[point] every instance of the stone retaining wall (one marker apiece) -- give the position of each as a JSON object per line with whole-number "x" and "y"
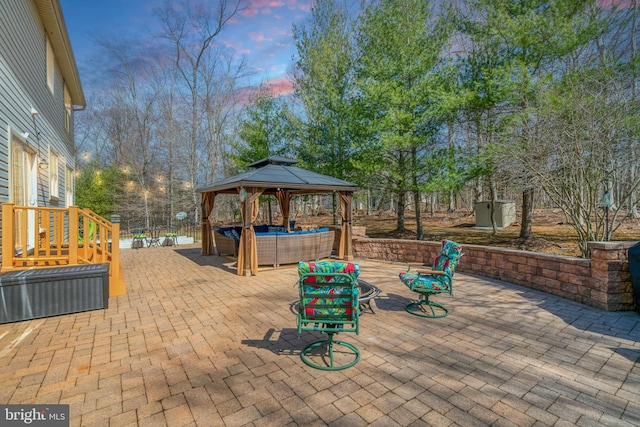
{"x": 603, "y": 281}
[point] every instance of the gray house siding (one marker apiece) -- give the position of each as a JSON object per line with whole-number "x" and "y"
{"x": 23, "y": 74}
{"x": 25, "y": 27}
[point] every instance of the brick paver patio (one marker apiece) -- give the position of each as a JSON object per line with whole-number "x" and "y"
{"x": 193, "y": 344}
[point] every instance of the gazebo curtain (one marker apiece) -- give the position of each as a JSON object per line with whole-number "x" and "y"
{"x": 249, "y": 208}
{"x": 248, "y": 251}
{"x": 345, "y": 250}
{"x": 207, "y": 209}
{"x": 284, "y": 199}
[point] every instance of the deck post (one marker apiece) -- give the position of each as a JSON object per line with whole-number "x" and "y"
{"x": 73, "y": 235}
{"x": 8, "y": 242}
{"x": 116, "y": 282}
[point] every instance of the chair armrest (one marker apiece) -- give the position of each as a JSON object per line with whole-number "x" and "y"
{"x": 423, "y": 269}
{"x": 429, "y": 272}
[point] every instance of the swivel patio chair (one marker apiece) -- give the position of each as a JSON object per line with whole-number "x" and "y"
{"x": 432, "y": 281}
{"x": 329, "y": 304}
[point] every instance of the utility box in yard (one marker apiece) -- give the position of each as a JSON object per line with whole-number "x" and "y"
{"x": 505, "y": 213}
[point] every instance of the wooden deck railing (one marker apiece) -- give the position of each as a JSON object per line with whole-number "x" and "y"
{"x": 38, "y": 237}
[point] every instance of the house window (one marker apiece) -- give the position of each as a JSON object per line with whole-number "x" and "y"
{"x": 51, "y": 64}
{"x": 67, "y": 109}
{"x": 54, "y": 180}
{"x": 68, "y": 186}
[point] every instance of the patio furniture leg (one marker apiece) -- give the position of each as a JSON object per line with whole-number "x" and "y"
{"x": 433, "y": 280}
{"x": 330, "y": 343}
{"x": 418, "y": 308}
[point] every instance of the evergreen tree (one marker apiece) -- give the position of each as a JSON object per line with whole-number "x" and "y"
{"x": 98, "y": 188}
{"x": 323, "y": 81}
{"x": 264, "y": 130}
{"x": 400, "y": 45}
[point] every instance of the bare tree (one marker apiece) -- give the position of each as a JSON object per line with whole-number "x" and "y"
{"x": 221, "y": 74}
{"x": 583, "y": 125}
{"x": 133, "y": 117}
{"x": 169, "y": 131}
{"x": 191, "y": 31}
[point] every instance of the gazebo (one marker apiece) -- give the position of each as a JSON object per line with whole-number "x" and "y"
{"x": 278, "y": 177}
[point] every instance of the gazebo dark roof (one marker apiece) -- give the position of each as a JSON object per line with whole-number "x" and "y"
{"x": 274, "y": 173}
{"x": 276, "y": 176}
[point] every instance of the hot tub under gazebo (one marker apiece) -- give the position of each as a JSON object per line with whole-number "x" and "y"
{"x": 279, "y": 177}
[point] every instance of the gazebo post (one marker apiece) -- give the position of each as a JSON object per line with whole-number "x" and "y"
{"x": 246, "y": 236}
{"x": 345, "y": 250}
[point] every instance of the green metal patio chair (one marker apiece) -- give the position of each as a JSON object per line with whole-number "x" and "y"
{"x": 329, "y": 304}
{"x": 432, "y": 281}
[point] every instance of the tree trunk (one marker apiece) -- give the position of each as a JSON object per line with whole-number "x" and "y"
{"x": 527, "y": 213}
{"x": 633, "y": 197}
{"x": 477, "y": 191}
{"x": 433, "y": 205}
{"x": 451, "y": 143}
{"x": 492, "y": 209}
{"x": 419, "y": 230}
{"x": 193, "y": 147}
{"x": 401, "y": 207}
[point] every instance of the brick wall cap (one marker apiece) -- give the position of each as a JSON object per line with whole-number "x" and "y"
{"x": 610, "y": 246}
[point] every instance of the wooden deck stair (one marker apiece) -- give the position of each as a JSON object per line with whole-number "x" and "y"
{"x": 43, "y": 237}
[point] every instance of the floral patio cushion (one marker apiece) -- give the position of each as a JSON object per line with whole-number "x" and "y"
{"x": 450, "y": 249}
{"x": 353, "y": 270}
{"x": 446, "y": 261}
{"x": 318, "y": 307}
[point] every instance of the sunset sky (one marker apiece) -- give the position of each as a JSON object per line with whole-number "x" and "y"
{"x": 261, "y": 32}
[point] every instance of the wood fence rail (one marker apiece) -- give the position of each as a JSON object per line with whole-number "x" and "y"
{"x": 38, "y": 237}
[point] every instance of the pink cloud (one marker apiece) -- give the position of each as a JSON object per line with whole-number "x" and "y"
{"x": 232, "y": 44}
{"x": 262, "y": 7}
{"x": 249, "y": 12}
{"x": 304, "y": 6}
{"x": 265, "y": 7}
{"x": 259, "y": 37}
{"x": 281, "y": 86}
{"x": 237, "y": 46}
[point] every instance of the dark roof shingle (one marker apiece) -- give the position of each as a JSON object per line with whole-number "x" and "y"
{"x": 275, "y": 173}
